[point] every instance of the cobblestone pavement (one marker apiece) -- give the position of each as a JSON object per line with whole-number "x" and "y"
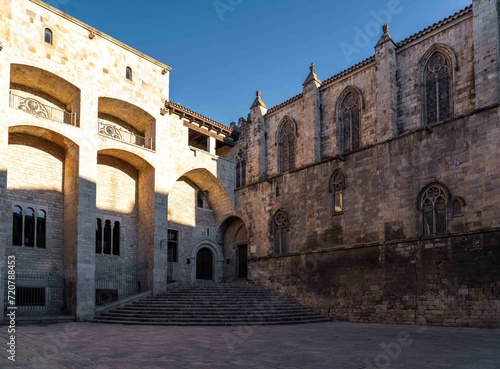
{"x": 322, "y": 345}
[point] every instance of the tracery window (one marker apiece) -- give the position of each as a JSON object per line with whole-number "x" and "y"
{"x": 281, "y": 227}
{"x": 241, "y": 169}
{"x": 437, "y": 89}
{"x": 286, "y": 143}
{"x": 107, "y": 237}
{"x": 48, "y": 36}
{"x": 29, "y": 226}
{"x": 337, "y": 185}
{"x": 433, "y": 203}
{"x": 350, "y": 111}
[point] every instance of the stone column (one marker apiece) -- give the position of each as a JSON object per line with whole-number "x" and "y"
{"x": 486, "y": 52}
{"x": 385, "y": 58}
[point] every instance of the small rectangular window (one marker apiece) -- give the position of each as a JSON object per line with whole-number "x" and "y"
{"x": 172, "y": 246}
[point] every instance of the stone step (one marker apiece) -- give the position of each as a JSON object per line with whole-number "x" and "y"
{"x": 235, "y": 304}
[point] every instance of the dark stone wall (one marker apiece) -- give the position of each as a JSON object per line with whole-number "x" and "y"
{"x": 452, "y": 281}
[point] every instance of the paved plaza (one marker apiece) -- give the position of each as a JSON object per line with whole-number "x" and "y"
{"x": 321, "y": 345}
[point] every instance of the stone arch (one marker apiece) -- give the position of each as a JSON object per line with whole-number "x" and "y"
{"x": 234, "y": 236}
{"x": 218, "y": 259}
{"x": 42, "y": 175}
{"x": 285, "y": 120}
{"x": 140, "y": 239}
{"x": 46, "y": 88}
{"x": 217, "y": 195}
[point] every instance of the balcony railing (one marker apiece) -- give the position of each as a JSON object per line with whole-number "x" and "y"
{"x": 113, "y": 131}
{"x": 115, "y": 282}
{"x": 35, "y": 107}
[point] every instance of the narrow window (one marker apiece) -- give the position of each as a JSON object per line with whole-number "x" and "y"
{"x": 41, "y": 229}
{"x": 433, "y": 205}
{"x": 337, "y": 185}
{"x": 350, "y": 122}
{"x": 107, "y": 237}
{"x": 286, "y": 147}
{"x": 17, "y": 226}
{"x": 47, "y": 36}
{"x": 280, "y": 232}
{"x": 199, "y": 200}
{"x": 457, "y": 205}
{"x": 243, "y": 173}
{"x": 437, "y": 89}
{"x": 128, "y": 73}
{"x": 116, "y": 239}
{"x": 173, "y": 239}
{"x": 98, "y": 236}
{"x": 29, "y": 228}
{"x": 238, "y": 174}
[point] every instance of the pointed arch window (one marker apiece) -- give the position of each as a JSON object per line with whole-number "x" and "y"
{"x": 337, "y": 185}
{"x": 438, "y": 79}
{"x": 29, "y": 226}
{"x": 281, "y": 227}
{"x": 199, "y": 199}
{"x": 286, "y": 146}
{"x": 350, "y": 121}
{"x": 48, "y": 36}
{"x": 433, "y": 203}
{"x": 241, "y": 170}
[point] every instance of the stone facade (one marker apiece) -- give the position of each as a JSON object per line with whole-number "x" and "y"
{"x": 355, "y": 246}
{"x": 89, "y": 136}
{"x": 371, "y": 196}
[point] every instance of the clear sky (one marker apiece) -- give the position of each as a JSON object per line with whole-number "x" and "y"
{"x": 222, "y": 51}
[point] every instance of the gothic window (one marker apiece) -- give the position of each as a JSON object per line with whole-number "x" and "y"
{"x": 29, "y": 226}
{"x": 128, "y": 73}
{"x": 349, "y": 115}
{"x": 17, "y": 226}
{"x": 241, "y": 169}
{"x": 457, "y": 206}
{"x": 116, "y": 238}
{"x": 337, "y": 185}
{"x": 107, "y": 236}
{"x": 433, "y": 203}
{"x": 98, "y": 236}
{"x": 437, "y": 89}
{"x": 41, "y": 228}
{"x": 48, "y": 36}
{"x": 286, "y": 146}
{"x": 281, "y": 227}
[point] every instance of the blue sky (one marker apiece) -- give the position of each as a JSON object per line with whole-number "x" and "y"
{"x": 222, "y": 51}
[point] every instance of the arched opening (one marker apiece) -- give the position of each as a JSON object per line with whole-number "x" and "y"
{"x": 233, "y": 234}
{"x": 204, "y": 264}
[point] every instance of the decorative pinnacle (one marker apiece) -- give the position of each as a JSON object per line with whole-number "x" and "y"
{"x": 312, "y": 68}
{"x": 385, "y": 29}
{"x": 259, "y": 93}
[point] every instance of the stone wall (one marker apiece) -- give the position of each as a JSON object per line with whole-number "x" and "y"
{"x": 453, "y": 281}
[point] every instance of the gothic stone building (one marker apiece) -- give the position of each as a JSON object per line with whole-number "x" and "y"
{"x": 372, "y": 196}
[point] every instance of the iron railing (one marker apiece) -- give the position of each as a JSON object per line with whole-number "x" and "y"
{"x": 35, "y": 107}
{"x": 40, "y": 295}
{"x": 118, "y": 133}
{"x": 119, "y": 281}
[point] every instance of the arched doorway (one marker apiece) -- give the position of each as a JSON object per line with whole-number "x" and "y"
{"x": 204, "y": 264}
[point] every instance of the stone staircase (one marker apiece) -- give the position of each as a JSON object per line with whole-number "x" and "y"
{"x": 212, "y": 304}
